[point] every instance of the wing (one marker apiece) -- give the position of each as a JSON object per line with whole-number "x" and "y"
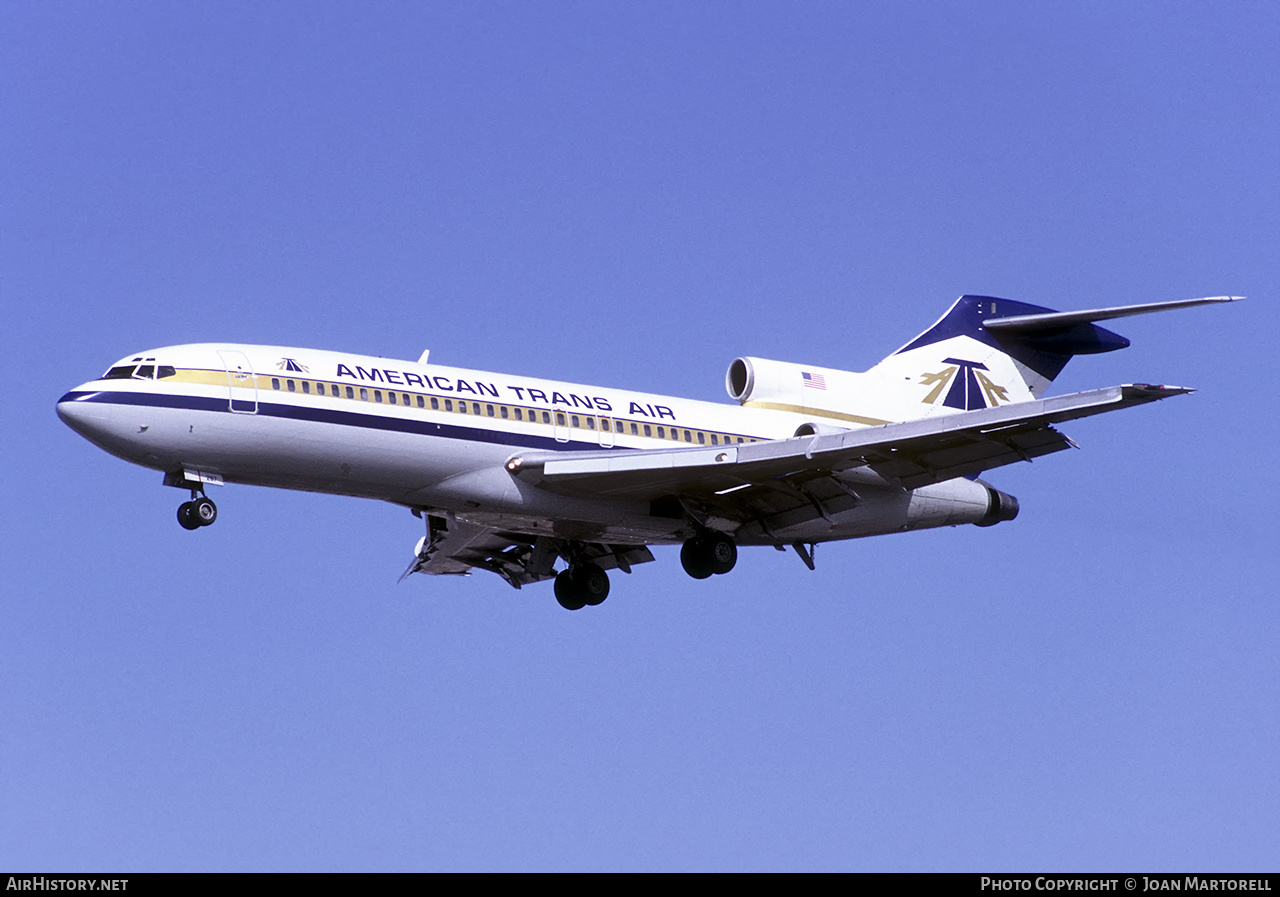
{"x": 909, "y": 454}
{"x": 454, "y": 547}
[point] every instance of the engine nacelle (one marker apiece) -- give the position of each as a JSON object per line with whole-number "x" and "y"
{"x": 810, "y": 428}
{"x": 763, "y": 382}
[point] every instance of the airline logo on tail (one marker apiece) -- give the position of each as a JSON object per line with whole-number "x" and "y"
{"x": 971, "y": 390}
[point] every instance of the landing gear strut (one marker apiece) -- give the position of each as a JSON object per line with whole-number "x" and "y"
{"x": 708, "y": 553}
{"x": 581, "y": 585}
{"x": 197, "y": 513}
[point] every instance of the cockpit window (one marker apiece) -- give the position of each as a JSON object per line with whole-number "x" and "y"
{"x": 146, "y": 371}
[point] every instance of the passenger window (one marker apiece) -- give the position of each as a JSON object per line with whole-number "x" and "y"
{"x": 350, "y": 393}
{"x": 448, "y": 404}
{"x": 604, "y": 424}
{"x": 319, "y": 389}
{"x": 391, "y": 397}
{"x": 546, "y": 417}
{"x": 488, "y": 409}
{"x": 635, "y": 430}
{"x": 306, "y": 387}
{"x": 648, "y": 431}
{"x": 559, "y": 419}
{"x": 422, "y": 403}
{"x": 293, "y": 387}
{"x": 503, "y": 409}
{"x": 591, "y": 423}
{"x": 662, "y": 432}
{"x": 462, "y": 407}
{"x": 364, "y": 394}
{"x": 519, "y": 414}
{"x": 715, "y": 439}
{"x": 573, "y": 420}
{"x": 275, "y": 382}
{"x": 702, "y": 438}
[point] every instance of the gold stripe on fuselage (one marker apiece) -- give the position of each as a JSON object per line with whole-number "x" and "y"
{"x": 559, "y": 418}
{"x": 818, "y": 412}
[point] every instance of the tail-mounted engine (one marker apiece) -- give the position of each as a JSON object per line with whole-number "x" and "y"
{"x": 780, "y": 384}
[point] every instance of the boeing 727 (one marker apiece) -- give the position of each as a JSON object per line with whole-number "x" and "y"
{"x": 533, "y": 480}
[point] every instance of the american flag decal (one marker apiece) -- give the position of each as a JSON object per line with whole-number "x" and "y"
{"x": 814, "y": 381}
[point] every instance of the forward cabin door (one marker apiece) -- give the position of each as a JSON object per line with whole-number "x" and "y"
{"x": 241, "y": 383}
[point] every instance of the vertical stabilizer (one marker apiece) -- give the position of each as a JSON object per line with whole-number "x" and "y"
{"x": 959, "y": 364}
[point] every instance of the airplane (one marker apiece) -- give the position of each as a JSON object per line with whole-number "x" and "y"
{"x": 516, "y": 475}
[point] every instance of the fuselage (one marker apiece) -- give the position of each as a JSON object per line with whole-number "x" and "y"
{"x": 429, "y": 436}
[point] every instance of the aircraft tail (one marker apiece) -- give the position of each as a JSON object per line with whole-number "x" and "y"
{"x": 986, "y": 352}
{"x": 983, "y": 353}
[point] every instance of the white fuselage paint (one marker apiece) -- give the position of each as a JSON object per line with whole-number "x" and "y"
{"x": 213, "y": 416}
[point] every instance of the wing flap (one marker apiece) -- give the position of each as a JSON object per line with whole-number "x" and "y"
{"x": 964, "y": 455}
{"x": 456, "y": 547}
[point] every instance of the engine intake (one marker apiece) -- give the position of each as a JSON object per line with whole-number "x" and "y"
{"x": 764, "y": 380}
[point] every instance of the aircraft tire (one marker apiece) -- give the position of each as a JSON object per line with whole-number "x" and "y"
{"x": 567, "y": 592}
{"x": 203, "y": 511}
{"x": 592, "y": 584}
{"x": 721, "y": 552}
{"x": 693, "y": 557}
{"x": 186, "y": 518}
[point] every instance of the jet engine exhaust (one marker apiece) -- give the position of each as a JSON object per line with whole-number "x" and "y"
{"x": 1000, "y": 507}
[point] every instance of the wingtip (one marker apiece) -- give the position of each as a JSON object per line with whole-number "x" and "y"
{"x": 1156, "y": 390}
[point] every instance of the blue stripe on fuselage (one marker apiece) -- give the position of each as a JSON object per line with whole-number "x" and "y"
{"x": 334, "y": 416}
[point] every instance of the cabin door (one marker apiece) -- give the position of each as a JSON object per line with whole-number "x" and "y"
{"x": 241, "y": 383}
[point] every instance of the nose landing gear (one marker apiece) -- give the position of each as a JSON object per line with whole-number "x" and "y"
{"x": 197, "y": 513}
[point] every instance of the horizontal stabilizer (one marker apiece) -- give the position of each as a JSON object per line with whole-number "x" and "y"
{"x": 1058, "y": 319}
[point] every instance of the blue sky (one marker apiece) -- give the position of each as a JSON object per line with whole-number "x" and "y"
{"x": 633, "y": 195}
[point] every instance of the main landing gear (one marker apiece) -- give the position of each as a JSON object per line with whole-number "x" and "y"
{"x": 581, "y": 585}
{"x": 707, "y": 553}
{"x": 198, "y": 512}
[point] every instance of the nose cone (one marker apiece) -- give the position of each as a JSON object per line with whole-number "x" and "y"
{"x": 116, "y": 425}
{"x": 72, "y": 410}
{"x": 90, "y": 419}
